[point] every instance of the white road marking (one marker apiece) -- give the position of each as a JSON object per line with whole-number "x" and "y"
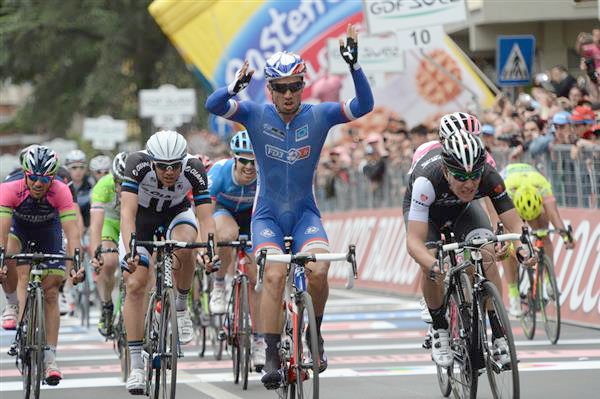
{"x": 207, "y": 388}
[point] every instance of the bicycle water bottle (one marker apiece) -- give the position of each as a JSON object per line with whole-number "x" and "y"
{"x": 299, "y": 278}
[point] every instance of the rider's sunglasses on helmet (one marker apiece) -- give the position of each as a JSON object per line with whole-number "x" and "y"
{"x": 42, "y": 178}
{"x": 166, "y": 165}
{"x": 463, "y": 176}
{"x": 245, "y": 161}
{"x": 284, "y": 87}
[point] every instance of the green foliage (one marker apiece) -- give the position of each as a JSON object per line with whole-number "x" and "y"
{"x": 86, "y": 57}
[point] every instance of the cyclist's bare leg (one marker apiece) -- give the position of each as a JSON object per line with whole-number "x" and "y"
{"x": 255, "y": 297}
{"x": 183, "y": 259}
{"x": 105, "y": 280}
{"x": 227, "y": 230}
{"x": 135, "y": 302}
{"x": 9, "y": 285}
{"x": 51, "y": 285}
{"x": 23, "y": 281}
{"x": 491, "y": 267}
{"x": 270, "y": 304}
{"x": 432, "y": 291}
{"x": 318, "y": 286}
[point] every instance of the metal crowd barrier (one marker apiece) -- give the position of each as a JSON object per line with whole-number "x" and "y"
{"x": 575, "y": 182}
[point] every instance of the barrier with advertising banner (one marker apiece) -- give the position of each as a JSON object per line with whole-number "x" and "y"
{"x": 384, "y": 263}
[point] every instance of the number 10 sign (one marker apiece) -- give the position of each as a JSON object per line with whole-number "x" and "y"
{"x": 417, "y": 38}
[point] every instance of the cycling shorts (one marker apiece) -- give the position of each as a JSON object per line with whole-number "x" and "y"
{"x": 146, "y": 224}
{"x": 242, "y": 218}
{"x": 470, "y": 222}
{"x": 308, "y": 233}
{"x": 110, "y": 230}
{"x": 47, "y": 239}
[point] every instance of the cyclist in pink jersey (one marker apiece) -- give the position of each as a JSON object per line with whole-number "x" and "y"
{"x": 34, "y": 210}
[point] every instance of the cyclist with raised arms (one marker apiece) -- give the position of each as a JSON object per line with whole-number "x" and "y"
{"x": 104, "y": 230}
{"x": 34, "y": 212}
{"x": 154, "y": 194}
{"x": 535, "y": 202}
{"x": 442, "y": 188}
{"x": 232, "y": 187}
{"x": 287, "y": 137}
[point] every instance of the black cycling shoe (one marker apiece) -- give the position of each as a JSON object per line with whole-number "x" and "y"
{"x": 322, "y": 356}
{"x": 105, "y": 323}
{"x": 272, "y": 379}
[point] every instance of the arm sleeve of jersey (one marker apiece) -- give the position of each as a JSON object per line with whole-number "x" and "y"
{"x": 7, "y": 200}
{"x": 353, "y": 108}
{"x": 132, "y": 174}
{"x": 64, "y": 201}
{"x": 221, "y": 103}
{"x": 423, "y": 195}
{"x": 540, "y": 144}
{"x": 101, "y": 194}
{"x": 493, "y": 186}
{"x": 214, "y": 181}
{"x": 197, "y": 177}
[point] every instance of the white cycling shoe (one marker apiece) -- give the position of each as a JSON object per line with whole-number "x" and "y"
{"x": 514, "y": 308}
{"x": 259, "y": 348}
{"x": 440, "y": 348}
{"x": 425, "y": 315}
{"x": 185, "y": 328}
{"x": 136, "y": 383}
{"x": 217, "y": 301}
{"x": 502, "y": 351}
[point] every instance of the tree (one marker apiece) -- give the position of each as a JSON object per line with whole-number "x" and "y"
{"x": 86, "y": 57}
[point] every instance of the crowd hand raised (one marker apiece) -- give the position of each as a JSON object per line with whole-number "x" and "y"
{"x": 241, "y": 81}
{"x": 349, "y": 50}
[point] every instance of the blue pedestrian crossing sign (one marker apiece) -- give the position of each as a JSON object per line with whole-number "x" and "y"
{"x": 514, "y": 59}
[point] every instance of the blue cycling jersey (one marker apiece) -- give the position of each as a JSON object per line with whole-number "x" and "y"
{"x": 224, "y": 189}
{"x": 287, "y": 154}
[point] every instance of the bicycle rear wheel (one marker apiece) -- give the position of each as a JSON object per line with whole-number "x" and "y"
{"x": 306, "y": 370}
{"x": 463, "y": 375}
{"x": 503, "y": 378}
{"x": 168, "y": 346}
{"x": 244, "y": 330}
{"x": 550, "y": 300}
{"x": 526, "y": 283}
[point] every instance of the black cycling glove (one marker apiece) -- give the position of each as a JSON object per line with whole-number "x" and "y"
{"x": 350, "y": 53}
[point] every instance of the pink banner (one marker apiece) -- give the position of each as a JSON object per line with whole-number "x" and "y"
{"x": 384, "y": 263}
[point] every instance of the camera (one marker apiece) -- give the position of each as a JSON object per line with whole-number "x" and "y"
{"x": 513, "y": 140}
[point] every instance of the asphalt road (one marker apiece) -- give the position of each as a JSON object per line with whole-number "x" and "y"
{"x": 373, "y": 343}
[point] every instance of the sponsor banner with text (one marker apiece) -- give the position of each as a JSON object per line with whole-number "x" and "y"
{"x": 384, "y": 263}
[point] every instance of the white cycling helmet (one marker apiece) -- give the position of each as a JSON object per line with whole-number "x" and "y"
{"x": 118, "y": 165}
{"x": 167, "y": 146}
{"x": 75, "y": 157}
{"x": 100, "y": 163}
{"x": 452, "y": 123}
{"x": 463, "y": 151}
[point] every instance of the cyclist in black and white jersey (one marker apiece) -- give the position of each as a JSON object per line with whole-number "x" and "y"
{"x": 154, "y": 194}
{"x": 442, "y": 188}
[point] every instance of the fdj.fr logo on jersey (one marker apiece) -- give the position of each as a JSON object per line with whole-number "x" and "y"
{"x": 291, "y": 156}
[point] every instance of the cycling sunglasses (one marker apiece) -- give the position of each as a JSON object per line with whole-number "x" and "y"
{"x": 464, "y": 176}
{"x": 245, "y": 161}
{"x": 166, "y": 165}
{"x": 284, "y": 87}
{"x": 44, "y": 179}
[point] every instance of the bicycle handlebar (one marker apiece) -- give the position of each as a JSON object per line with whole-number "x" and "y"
{"x": 40, "y": 257}
{"x": 305, "y": 257}
{"x": 171, "y": 244}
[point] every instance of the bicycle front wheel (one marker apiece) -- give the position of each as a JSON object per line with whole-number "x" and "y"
{"x": 550, "y": 300}
{"x": 244, "y": 331}
{"x": 168, "y": 346}
{"x": 32, "y": 353}
{"x": 306, "y": 353}
{"x": 502, "y": 368}
{"x": 528, "y": 298}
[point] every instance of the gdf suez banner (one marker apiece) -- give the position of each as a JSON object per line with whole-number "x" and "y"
{"x": 384, "y": 263}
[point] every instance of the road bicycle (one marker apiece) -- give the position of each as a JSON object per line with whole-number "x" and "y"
{"x": 299, "y": 358}
{"x": 30, "y": 340}
{"x": 161, "y": 347}
{"x": 539, "y": 291}
{"x": 117, "y": 327}
{"x": 239, "y": 320}
{"x": 472, "y": 303}
{"x": 207, "y": 327}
